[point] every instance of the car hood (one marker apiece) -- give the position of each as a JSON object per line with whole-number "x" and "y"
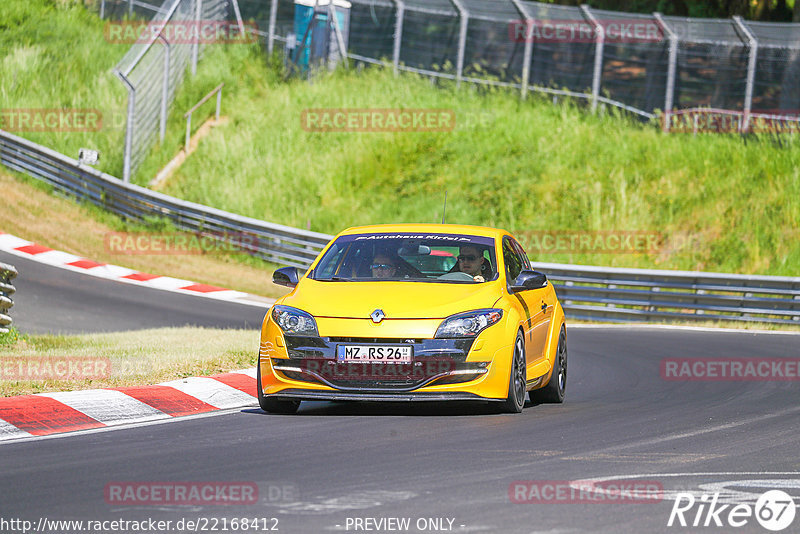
{"x": 398, "y": 300}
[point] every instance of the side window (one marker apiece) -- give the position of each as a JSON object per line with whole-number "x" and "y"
{"x": 512, "y": 261}
{"x": 526, "y": 263}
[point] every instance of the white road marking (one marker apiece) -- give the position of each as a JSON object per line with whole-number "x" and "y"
{"x": 9, "y": 431}
{"x": 727, "y": 496}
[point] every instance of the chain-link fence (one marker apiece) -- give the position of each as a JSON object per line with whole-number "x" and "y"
{"x": 639, "y": 62}
{"x": 166, "y": 40}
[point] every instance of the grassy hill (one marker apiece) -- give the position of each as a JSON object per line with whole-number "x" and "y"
{"x": 526, "y": 166}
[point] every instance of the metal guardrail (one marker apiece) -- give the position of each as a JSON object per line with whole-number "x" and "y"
{"x": 586, "y": 292}
{"x": 272, "y": 242}
{"x": 614, "y": 294}
{"x": 7, "y": 274}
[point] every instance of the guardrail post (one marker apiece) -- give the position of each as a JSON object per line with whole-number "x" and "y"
{"x": 463, "y": 17}
{"x": 130, "y": 8}
{"x": 196, "y": 45}
{"x": 752, "y": 44}
{"x": 102, "y": 8}
{"x": 273, "y": 17}
{"x": 526, "y": 58}
{"x": 162, "y": 124}
{"x": 599, "y": 43}
{"x": 669, "y": 93}
{"x": 7, "y": 273}
{"x": 398, "y": 34}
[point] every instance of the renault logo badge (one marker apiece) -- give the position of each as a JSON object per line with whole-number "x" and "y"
{"x": 377, "y": 316}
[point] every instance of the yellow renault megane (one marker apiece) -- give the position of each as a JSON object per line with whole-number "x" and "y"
{"x": 414, "y": 312}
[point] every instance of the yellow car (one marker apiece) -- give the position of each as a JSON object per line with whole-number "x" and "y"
{"x": 414, "y": 312}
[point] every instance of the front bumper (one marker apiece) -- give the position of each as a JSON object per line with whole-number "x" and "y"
{"x": 308, "y": 394}
{"x": 442, "y": 369}
{"x": 435, "y": 361}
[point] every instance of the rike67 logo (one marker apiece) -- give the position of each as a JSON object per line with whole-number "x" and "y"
{"x": 774, "y": 510}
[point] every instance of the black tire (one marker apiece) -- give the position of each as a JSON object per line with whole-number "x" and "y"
{"x": 271, "y": 404}
{"x": 556, "y": 388}
{"x": 515, "y": 400}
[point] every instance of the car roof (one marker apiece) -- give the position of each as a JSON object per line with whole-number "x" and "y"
{"x": 483, "y": 231}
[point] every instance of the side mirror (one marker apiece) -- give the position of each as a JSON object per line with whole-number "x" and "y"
{"x": 286, "y": 276}
{"x": 529, "y": 280}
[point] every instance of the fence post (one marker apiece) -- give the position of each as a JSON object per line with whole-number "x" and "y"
{"x": 102, "y": 9}
{"x": 219, "y": 102}
{"x": 463, "y": 17}
{"x": 126, "y": 164}
{"x": 752, "y": 43}
{"x": 130, "y": 8}
{"x": 196, "y": 45}
{"x": 162, "y": 124}
{"x": 273, "y": 17}
{"x": 598, "y": 53}
{"x": 526, "y": 58}
{"x": 398, "y": 34}
{"x": 337, "y": 30}
{"x": 669, "y": 93}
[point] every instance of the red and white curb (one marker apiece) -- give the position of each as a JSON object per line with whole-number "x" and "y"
{"x": 32, "y": 251}
{"x": 45, "y": 414}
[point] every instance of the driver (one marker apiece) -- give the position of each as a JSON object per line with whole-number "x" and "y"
{"x": 472, "y": 262}
{"x": 383, "y": 266}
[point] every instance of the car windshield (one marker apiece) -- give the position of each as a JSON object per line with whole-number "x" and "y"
{"x": 424, "y": 257}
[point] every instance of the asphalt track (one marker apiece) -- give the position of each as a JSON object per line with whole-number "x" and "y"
{"x": 52, "y": 300}
{"x": 334, "y": 461}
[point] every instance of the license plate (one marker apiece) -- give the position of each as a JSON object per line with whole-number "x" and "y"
{"x": 374, "y": 353}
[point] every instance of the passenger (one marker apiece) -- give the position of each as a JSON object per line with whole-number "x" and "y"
{"x": 472, "y": 262}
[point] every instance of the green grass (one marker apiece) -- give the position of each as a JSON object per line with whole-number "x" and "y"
{"x": 53, "y": 54}
{"x": 519, "y": 165}
{"x": 133, "y": 358}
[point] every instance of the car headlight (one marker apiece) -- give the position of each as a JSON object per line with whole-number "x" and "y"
{"x": 294, "y": 322}
{"x": 468, "y": 324}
